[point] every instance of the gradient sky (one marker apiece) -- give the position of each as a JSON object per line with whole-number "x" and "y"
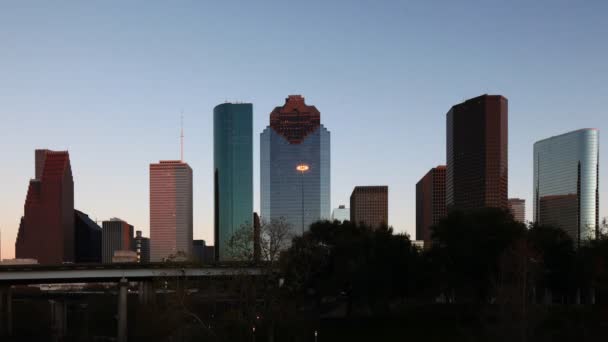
{"x": 107, "y": 81}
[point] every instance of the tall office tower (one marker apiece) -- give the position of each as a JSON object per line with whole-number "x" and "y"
{"x": 341, "y": 213}
{"x": 87, "y": 239}
{"x": 477, "y": 154}
{"x": 517, "y": 207}
{"x": 566, "y": 183}
{"x": 233, "y": 171}
{"x": 46, "y": 232}
{"x": 369, "y": 206}
{"x": 142, "y": 248}
{"x": 116, "y": 235}
{"x": 430, "y": 202}
{"x": 295, "y": 166}
{"x": 170, "y": 210}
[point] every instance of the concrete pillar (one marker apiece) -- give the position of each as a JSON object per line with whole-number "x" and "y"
{"x": 146, "y": 292}
{"x": 6, "y": 311}
{"x": 58, "y": 319}
{"x": 122, "y": 310}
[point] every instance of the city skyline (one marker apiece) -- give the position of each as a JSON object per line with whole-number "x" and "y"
{"x": 65, "y": 96}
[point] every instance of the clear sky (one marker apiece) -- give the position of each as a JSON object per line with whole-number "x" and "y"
{"x": 107, "y": 81}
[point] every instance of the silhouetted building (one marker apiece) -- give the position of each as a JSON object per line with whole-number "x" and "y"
{"x": 87, "y": 239}
{"x": 430, "y": 202}
{"x": 477, "y": 154}
{"x": 170, "y": 210}
{"x": 295, "y": 166}
{"x": 142, "y": 248}
{"x": 341, "y": 213}
{"x": 566, "y": 183}
{"x": 46, "y": 232}
{"x": 517, "y": 207}
{"x": 116, "y": 235}
{"x": 233, "y": 166}
{"x": 203, "y": 253}
{"x": 257, "y": 231}
{"x": 369, "y": 206}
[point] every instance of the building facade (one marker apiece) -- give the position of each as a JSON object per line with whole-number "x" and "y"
{"x": 46, "y": 232}
{"x": 171, "y": 217}
{"x": 430, "y": 202}
{"x": 87, "y": 239}
{"x": 203, "y": 253}
{"x": 341, "y": 213}
{"x": 477, "y": 154}
{"x": 517, "y": 207}
{"x": 142, "y": 248}
{"x": 295, "y": 166}
{"x": 566, "y": 183}
{"x": 116, "y": 235}
{"x": 369, "y": 206}
{"x": 233, "y": 171}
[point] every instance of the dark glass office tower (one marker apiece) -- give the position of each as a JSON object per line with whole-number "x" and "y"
{"x": 566, "y": 183}
{"x": 87, "y": 239}
{"x": 430, "y": 202}
{"x": 477, "y": 154}
{"x": 295, "y": 165}
{"x": 233, "y": 171}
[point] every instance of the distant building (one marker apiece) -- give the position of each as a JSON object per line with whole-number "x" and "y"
{"x": 517, "y": 207}
{"x": 295, "y": 166}
{"x": 170, "y": 210}
{"x": 203, "y": 253}
{"x": 116, "y": 235}
{"x": 142, "y": 248}
{"x": 418, "y": 243}
{"x": 233, "y": 171}
{"x": 430, "y": 202}
{"x": 124, "y": 256}
{"x": 477, "y": 154}
{"x": 341, "y": 213}
{"x": 10, "y": 262}
{"x": 566, "y": 183}
{"x": 46, "y": 231}
{"x": 87, "y": 239}
{"x": 369, "y": 206}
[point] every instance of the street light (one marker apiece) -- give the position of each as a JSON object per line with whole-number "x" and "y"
{"x": 316, "y": 333}
{"x": 253, "y": 333}
{"x": 302, "y": 168}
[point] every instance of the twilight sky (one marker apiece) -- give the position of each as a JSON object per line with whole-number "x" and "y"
{"x": 107, "y": 81}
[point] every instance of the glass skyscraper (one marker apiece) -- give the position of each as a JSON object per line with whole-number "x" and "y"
{"x": 295, "y": 166}
{"x": 233, "y": 171}
{"x": 566, "y": 183}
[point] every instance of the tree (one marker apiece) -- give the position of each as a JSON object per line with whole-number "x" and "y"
{"x": 275, "y": 238}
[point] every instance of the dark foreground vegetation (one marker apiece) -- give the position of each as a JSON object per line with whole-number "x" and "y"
{"x": 485, "y": 277}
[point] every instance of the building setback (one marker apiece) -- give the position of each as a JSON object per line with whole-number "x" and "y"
{"x": 517, "y": 207}
{"x": 566, "y": 183}
{"x": 170, "y": 210}
{"x": 369, "y": 206}
{"x": 87, "y": 239}
{"x": 477, "y": 154}
{"x": 295, "y": 166}
{"x": 233, "y": 171}
{"x": 116, "y": 235}
{"x": 46, "y": 231}
{"x": 430, "y": 202}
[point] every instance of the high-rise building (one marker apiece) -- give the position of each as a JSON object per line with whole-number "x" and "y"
{"x": 170, "y": 210}
{"x": 566, "y": 183}
{"x": 233, "y": 171}
{"x": 341, "y": 213}
{"x": 369, "y": 206}
{"x": 517, "y": 207}
{"x": 142, "y": 248}
{"x": 46, "y": 231}
{"x": 477, "y": 154}
{"x": 430, "y": 202}
{"x": 295, "y": 166}
{"x": 203, "y": 253}
{"x": 87, "y": 239}
{"x": 116, "y": 235}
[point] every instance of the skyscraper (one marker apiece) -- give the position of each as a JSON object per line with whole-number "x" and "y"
{"x": 233, "y": 171}
{"x": 566, "y": 183}
{"x": 87, "y": 239}
{"x": 295, "y": 165}
{"x": 116, "y": 235}
{"x": 46, "y": 232}
{"x": 477, "y": 154}
{"x": 517, "y": 207}
{"x": 170, "y": 210}
{"x": 369, "y": 206}
{"x": 142, "y": 248}
{"x": 341, "y": 213}
{"x": 430, "y": 202}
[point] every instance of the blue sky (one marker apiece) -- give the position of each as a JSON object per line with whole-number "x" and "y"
{"x": 108, "y": 79}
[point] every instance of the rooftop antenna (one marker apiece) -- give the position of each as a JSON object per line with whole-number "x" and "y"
{"x": 181, "y": 137}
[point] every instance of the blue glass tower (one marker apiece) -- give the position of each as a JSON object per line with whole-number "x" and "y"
{"x": 233, "y": 171}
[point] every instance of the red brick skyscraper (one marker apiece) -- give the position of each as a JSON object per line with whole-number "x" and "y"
{"x": 477, "y": 154}
{"x": 430, "y": 202}
{"x": 46, "y": 232}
